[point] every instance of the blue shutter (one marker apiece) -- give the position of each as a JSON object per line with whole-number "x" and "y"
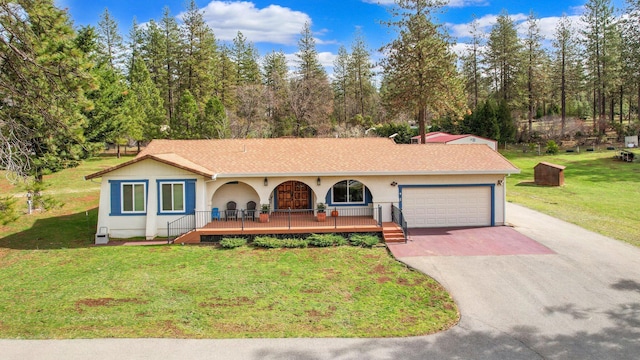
{"x": 115, "y": 197}
{"x": 190, "y": 195}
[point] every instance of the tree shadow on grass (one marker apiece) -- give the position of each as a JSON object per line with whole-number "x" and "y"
{"x": 59, "y": 232}
{"x": 523, "y": 342}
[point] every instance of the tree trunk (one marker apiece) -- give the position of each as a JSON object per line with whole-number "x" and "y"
{"x": 621, "y": 100}
{"x": 422, "y": 114}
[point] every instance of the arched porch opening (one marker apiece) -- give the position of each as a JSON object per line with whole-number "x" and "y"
{"x": 239, "y": 192}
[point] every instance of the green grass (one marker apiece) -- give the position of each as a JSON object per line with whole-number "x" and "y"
{"x": 600, "y": 194}
{"x": 204, "y": 292}
{"x": 55, "y": 284}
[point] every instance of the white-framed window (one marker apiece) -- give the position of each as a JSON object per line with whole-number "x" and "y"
{"x": 172, "y": 195}
{"x": 133, "y": 197}
{"x": 348, "y": 192}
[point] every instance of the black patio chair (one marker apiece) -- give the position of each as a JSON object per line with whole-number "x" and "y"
{"x": 231, "y": 211}
{"x": 251, "y": 210}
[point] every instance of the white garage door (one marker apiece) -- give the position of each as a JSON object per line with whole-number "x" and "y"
{"x": 447, "y": 206}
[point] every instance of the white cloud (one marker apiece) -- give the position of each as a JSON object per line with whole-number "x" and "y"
{"x": 451, "y": 3}
{"x": 272, "y": 24}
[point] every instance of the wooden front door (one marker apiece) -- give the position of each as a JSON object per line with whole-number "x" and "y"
{"x": 293, "y": 194}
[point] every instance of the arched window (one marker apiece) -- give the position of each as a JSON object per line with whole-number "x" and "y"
{"x": 348, "y": 192}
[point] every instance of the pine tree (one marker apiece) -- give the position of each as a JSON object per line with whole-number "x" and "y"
{"x": 566, "y": 65}
{"x": 420, "y": 68}
{"x": 42, "y": 84}
{"x": 111, "y": 46}
{"x": 340, "y": 84}
{"x": 599, "y": 33}
{"x": 200, "y": 57}
{"x": 172, "y": 47}
{"x": 503, "y": 59}
{"x": 311, "y": 98}
{"x": 149, "y": 109}
{"x": 245, "y": 57}
{"x": 360, "y": 69}
{"x": 216, "y": 121}
{"x": 534, "y": 60}
{"x": 225, "y": 78}
{"x": 275, "y": 75}
{"x": 631, "y": 36}
{"x": 471, "y": 67}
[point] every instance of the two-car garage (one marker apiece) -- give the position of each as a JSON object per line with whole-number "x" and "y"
{"x": 425, "y": 206}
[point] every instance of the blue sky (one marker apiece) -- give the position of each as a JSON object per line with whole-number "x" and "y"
{"x": 276, "y": 24}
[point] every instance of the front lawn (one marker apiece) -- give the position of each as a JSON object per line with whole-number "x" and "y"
{"x": 600, "y": 194}
{"x": 55, "y": 284}
{"x": 206, "y": 292}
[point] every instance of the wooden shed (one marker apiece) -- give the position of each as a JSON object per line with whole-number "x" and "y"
{"x": 549, "y": 174}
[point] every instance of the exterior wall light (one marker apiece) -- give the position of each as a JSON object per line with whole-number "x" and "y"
{"x": 499, "y": 183}
{"x": 266, "y": 182}
{"x": 394, "y": 183}
{"x": 318, "y": 181}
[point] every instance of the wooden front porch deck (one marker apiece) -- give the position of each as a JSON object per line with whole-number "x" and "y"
{"x": 282, "y": 224}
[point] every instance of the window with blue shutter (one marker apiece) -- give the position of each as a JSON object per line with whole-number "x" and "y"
{"x": 176, "y": 196}
{"x": 128, "y": 197}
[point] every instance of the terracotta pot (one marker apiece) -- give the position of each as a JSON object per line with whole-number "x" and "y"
{"x": 264, "y": 218}
{"x": 322, "y": 216}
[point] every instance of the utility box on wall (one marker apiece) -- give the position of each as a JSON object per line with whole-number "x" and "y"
{"x": 549, "y": 174}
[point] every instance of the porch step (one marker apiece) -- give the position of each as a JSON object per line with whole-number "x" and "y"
{"x": 392, "y": 233}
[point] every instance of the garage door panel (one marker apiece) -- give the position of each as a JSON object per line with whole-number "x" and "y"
{"x": 447, "y": 206}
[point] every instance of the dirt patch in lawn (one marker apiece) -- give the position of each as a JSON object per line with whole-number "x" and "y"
{"x": 99, "y": 302}
{"x": 218, "y": 302}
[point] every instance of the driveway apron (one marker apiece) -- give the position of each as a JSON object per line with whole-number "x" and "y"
{"x": 581, "y": 300}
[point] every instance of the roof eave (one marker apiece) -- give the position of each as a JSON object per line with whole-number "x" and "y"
{"x": 371, "y": 173}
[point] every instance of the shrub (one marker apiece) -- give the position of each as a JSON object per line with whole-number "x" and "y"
{"x": 552, "y": 147}
{"x": 232, "y": 243}
{"x": 364, "y": 240}
{"x": 325, "y": 240}
{"x": 270, "y": 242}
{"x": 266, "y": 242}
{"x": 294, "y": 243}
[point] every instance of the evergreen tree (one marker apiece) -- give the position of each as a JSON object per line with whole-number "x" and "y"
{"x": 216, "y": 121}
{"x": 340, "y": 84}
{"x": 631, "y": 36}
{"x": 149, "y": 109}
{"x": 311, "y": 98}
{"x": 110, "y": 42}
{"x": 503, "y": 59}
{"x": 275, "y": 77}
{"x": 171, "y": 48}
{"x": 199, "y": 60}
{"x": 245, "y": 57}
{"x": 420, "y": 68}
{"x": 185, "y": 123}
{"x": 566, "y": 66}
{"x": 471, "y": 67}
{"x": 534, "y": 59}
{"x": 42, "y": 84}
{"x": 361, "y": 75}
{"x": 599, "y": 35}
{"x": 225, "y": 78}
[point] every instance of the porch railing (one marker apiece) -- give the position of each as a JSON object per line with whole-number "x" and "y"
{"x": 287, "y": 219}
{"x": 398, "y": 218}
{"x": 181, "y": 226}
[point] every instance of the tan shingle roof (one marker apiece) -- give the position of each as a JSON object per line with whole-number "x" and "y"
{"x": 323, "y": 156}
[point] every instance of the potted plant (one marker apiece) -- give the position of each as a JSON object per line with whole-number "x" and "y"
{"x": 322, "y": 215}
{"x": 264, "y": 213}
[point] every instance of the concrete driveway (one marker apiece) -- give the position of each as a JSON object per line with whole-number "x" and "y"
{"x": 582, "y": 302}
